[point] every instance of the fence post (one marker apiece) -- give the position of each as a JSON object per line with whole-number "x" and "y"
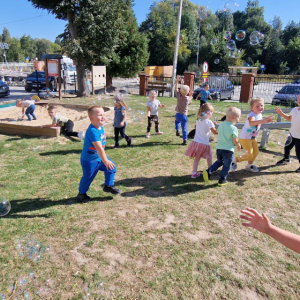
{"x": 247, "y": 87}
{"x": 278, "y": 118}
{"x": 265, "y": 137}
{"x": 144, "y": 79}
{"x": 189, "y": 80}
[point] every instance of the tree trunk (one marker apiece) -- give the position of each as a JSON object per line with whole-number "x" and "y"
{"x": 108, "y": 80}
{"x": 80, "y": 66}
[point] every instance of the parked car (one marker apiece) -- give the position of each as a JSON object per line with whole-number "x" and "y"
{"x": 220, "y": 93}
{"x": 4, "y": 89}
{"x": 33, "y": 84}
{"x": 297, "y": 81}
{"x": 287, "y": 95}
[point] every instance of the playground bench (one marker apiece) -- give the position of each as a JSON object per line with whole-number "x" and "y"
{"x": 160, "y": 87}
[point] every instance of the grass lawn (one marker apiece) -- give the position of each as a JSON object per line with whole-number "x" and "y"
{"x": 167, "y": 236}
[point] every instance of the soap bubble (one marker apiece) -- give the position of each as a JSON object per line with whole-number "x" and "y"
{"x": 287, "y": 69}
{"x": 256, "y": 37}
{"x": 4, "y": 207}
{"x": 235, "y": 53}
{"x": 202, "y": 14}
{"x": 181, "y": 36}
{"x": 231, "y": 45}
{"x": 216, "y": 61}
{"x": 208, "y": 26}
{"x": 46, "y": 93}
{"x": 29, "y": 247}
{"x": 240, "y": 35}
{"x": 123, "y": 90}
{"x": 227, "y": 35}
{"x": 246, "y": 65}
{"x": 213, "y": 42}
{"x": 231, "y": 6}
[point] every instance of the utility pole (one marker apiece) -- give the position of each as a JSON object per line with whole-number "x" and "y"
{"x": 198, "y": 42}
{"x": 176, "y": 49}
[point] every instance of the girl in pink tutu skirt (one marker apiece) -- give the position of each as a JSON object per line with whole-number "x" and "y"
{"x": 200, "y": 148}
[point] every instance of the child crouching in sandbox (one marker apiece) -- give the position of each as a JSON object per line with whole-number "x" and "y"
{"x": 66, "y": 124}
{"x": 30, "y": 108}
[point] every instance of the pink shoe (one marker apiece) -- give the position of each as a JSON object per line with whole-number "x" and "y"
{"x": 195, "y": 175}
{"x": 147, "y": 135}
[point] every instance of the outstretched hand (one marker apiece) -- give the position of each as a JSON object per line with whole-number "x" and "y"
{"x": 278, "y": 109}
{"x": 257, "y": 221}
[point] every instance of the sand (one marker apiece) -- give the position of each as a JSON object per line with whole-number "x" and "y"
{"x": 79, "y": 117}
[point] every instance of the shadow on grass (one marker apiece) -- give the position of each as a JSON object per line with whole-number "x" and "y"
{"x": 163, "y": 186}
{"x": 147, "y": 144}
{"x": 276, "y": 153}
{"x": 61, "y": 152}
{"x": 29, "y": 205}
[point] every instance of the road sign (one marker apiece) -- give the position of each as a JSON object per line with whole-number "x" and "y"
{"x": 6, "y": 46}
{"x": 262, "y": 67}
{"x": 205, "y": 67}
{"x": 1, "y": 46}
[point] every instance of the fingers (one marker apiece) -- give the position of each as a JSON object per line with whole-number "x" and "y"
{"x": 255, "y": 212}
{"x": 247, "y": 224}
{"x": 248, "y": 213}
{"x": 245, "y": 218}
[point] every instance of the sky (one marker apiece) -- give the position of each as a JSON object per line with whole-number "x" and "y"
{"x": 20, "y": 17}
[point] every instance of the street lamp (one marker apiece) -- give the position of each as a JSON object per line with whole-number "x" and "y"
{"x": 4, "y": 46}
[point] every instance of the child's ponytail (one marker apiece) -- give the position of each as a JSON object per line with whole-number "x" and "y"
{"x": 118, "y": 98}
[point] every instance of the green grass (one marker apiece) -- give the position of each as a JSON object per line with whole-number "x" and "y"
{"x": 167, "y": 236}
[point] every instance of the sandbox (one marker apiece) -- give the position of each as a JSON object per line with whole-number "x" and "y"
{"x": 10, "y": 119}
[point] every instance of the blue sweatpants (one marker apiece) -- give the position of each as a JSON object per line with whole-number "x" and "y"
{"x": 90, "y": 170}
{"x": 181, "y": 119}
{"x": 30, "y": 111}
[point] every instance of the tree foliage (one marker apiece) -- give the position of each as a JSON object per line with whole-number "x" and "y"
{"x": 99, "y": 32}
{"x": 275, "y": 52}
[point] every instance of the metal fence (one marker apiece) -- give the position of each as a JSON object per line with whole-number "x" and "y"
{"x": 266, "y": 86}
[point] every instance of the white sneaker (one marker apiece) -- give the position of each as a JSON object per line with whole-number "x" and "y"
{"x": 81, "y": 135}
{"x": 159, "y": 133}
{"x": 233, "y": 167}
{"x": 252, "y": 168}
{"x": 147, "y": 135}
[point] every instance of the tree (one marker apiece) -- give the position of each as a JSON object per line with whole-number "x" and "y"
{"x": 94, "y": 31}
{"x": 43, "y": 47}
{"x": 28, "y": 46}
{"x": 291, "y": 31}
{"x": 293, "y": 55}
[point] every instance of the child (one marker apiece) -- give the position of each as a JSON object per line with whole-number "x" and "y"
{"x": 200, "y": 147}
{"x": 93, "y": 157}
{"x": 152, "y": 108}
{"x": 205, "y": 94}
{"x": 183, "y": 100}
{"x": 30, "y": 108}
{"x": 262, "y": 224}
{"x": 120, "y": 120}
{"x": 66, "y": 124}
{"x": 248, "y": 135}
{"x": 227, "y": 139}
{"x": 294, "y": 138}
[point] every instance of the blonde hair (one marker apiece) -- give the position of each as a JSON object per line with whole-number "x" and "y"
{"x": 119, "y": 98}
{"x": 184, "y": 90}
{"x": 92, "y": 109}
{"x": 203, "y": 110}
{"x": 233, "y": 112}
{"x": 152, "y": 92}
{"x": 254, "y": 100}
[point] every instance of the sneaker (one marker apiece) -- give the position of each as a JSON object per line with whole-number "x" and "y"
{"x": 283, "y": 162}
{"x": 195, "y": 175}
{"x": 111, "y": 189}
{"x": 115, "y": 147}
{"x": 147, "y": 135}
{"x": 184, "y": 142}
{"x": 84, "y": 198}
{"x": 81, "y": 135}
{"x": 252, "y": 168}
{"x": 129, "y": 141}
{"x": 159, "y": 133}
{"x": 222, "y": 182}
{"x": 206, "y": 175}
{"x": 177, "y": 133}
{"x": 298, "y": 170}
{"x": 233, "y": 167}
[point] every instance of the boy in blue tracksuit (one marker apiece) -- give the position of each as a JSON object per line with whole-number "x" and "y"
{"x": 93, "y": 156}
